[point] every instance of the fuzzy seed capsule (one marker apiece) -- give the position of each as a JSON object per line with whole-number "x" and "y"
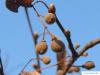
{"x": 52, "y": 8}
{"x": 89, "y": 65}
{"x": 50, "y": 18}
{"x": 57, "y": 45}
{"x": 42, "y": 47}
{"x": 46, "y": 60}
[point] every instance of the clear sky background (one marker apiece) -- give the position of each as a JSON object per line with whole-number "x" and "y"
{"x": 82, "y": 17}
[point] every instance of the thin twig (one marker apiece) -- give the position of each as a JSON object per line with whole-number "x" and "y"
{"x": 38, "y": 15}
{"x": 28, "y": 63}
{"x": 40, "y": 1}
{"x": 85, "y": 48}
{"x": 89, "y": 45}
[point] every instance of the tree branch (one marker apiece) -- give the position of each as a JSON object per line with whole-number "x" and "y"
{"x": 86, "y": 47}
{"x": 74, "y": 53}
{"x": 89, "y": 45}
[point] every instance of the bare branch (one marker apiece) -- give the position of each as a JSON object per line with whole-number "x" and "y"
{"x": 68, "y": 38}
{"x": 89, "y": 45}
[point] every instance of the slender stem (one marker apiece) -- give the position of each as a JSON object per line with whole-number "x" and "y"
{"x": 29, "y": 23}
{"x": 28, "y": 63}
{"x": 30, "y": 27}
{"x": 61, "y": 61}
{"x": 40, "y": 1}
{"x": 45, "y": 27}
{"x": 44, "y": 34}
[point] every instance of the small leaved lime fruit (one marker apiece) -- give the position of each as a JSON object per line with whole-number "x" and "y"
{"x": 57, "y": 45}
{"x": 42, "y": 47}
{"x": 88, "y": 65}
{"x": 46, "y": 60}
{"x": 50, "y": 18}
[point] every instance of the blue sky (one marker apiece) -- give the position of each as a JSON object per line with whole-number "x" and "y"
{"x": 80, "y": 16}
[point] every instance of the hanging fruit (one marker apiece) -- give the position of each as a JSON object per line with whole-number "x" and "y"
{"x": 57, "y": 45}
{"x": 89, "y": 65}
{"x": 42, "y": 47}
{"x": 50, "y": 18}
{"x": 46, "y": 60}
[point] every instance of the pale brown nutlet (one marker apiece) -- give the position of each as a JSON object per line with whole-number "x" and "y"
{"x": 46, "y": 60}
{"x": 42, "y": 47}
{"x": 57, "y": 45}
{"x": 50, "y": 18}
{"x": 52, "y": 8}
{"x": 89, "y": 65}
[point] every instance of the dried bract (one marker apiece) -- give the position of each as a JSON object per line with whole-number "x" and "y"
{"x": 12, "y": 5}
{"x": 52, "y": 8}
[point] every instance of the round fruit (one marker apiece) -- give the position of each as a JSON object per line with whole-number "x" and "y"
{"x": 42, "y": 47}
{"x": 89, "y": 65}
{"x": 57, "y": 45}
{"x": 50, "y": 18}
{"x": 46, "y": 60}
{"x": 52, "y": 8}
